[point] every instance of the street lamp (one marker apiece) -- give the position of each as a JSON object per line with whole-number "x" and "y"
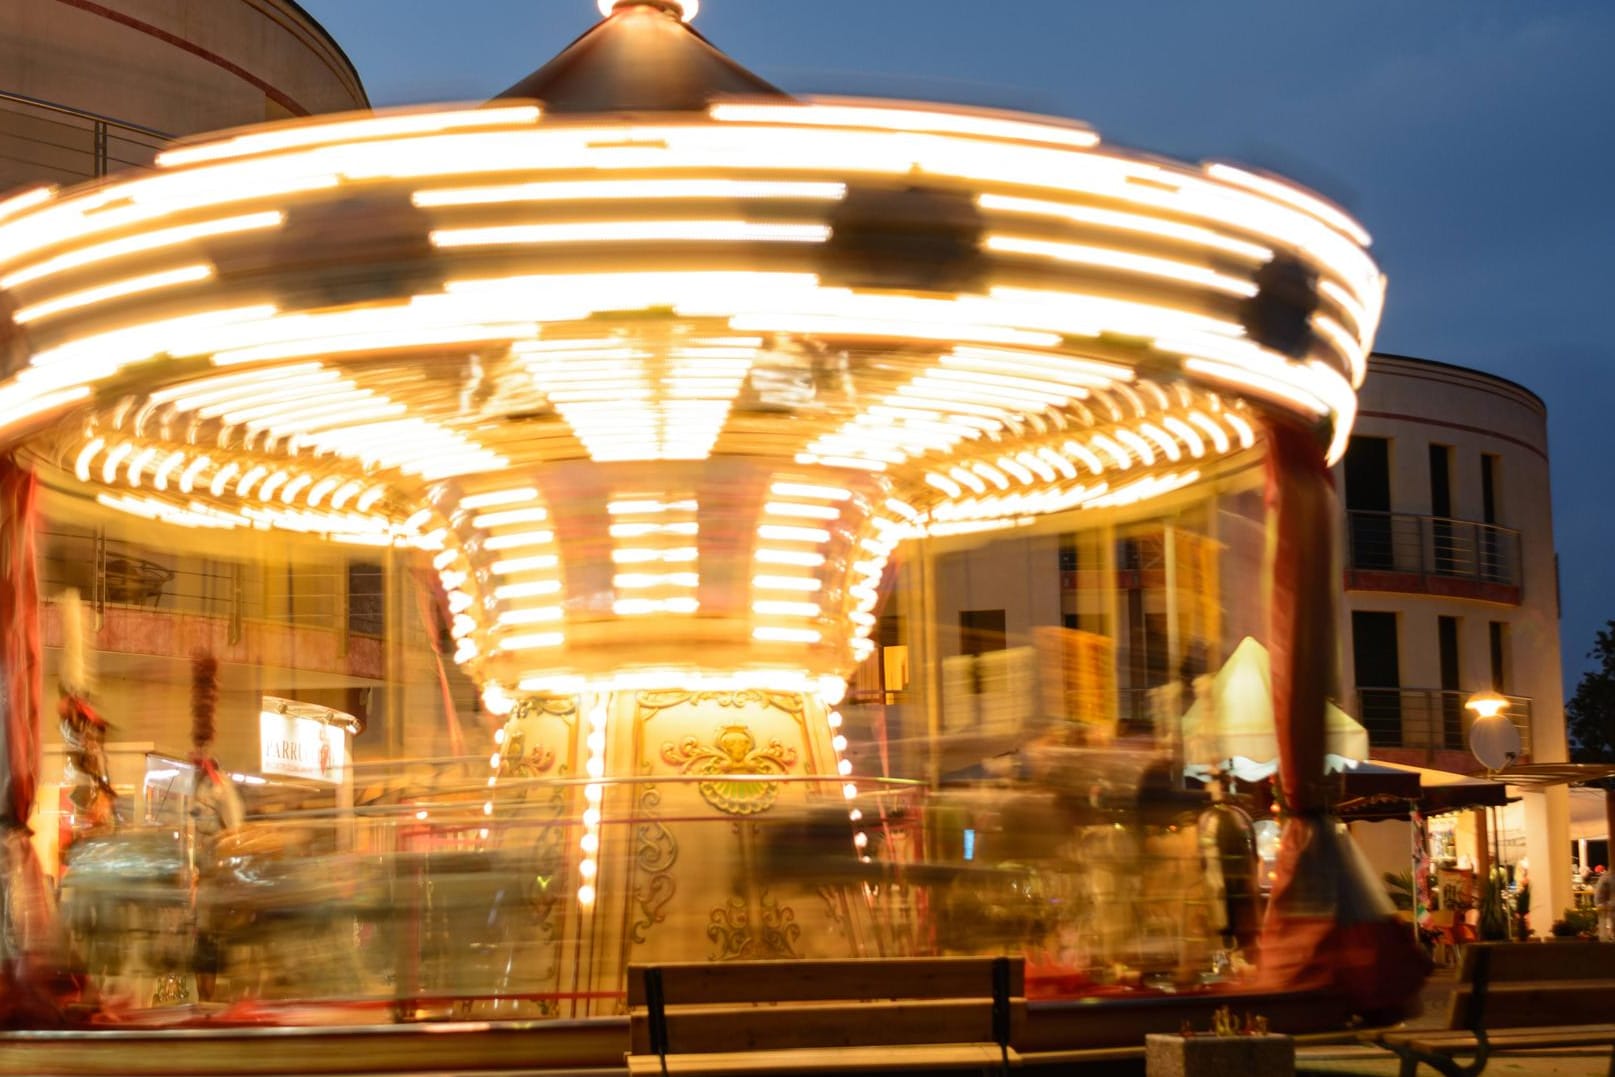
{"x": 1493, "y": 739}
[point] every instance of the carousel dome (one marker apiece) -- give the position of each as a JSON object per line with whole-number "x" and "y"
{"x": 658, "y": 363}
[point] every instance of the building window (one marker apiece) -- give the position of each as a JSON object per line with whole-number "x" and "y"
{"x": 981, "y": 631}
{"x": 1379, "y": 675}
{"x": 1368, "y": 503}
{"x": 366, "y": 606}
{"x": 1498, "y": 631}
{"x": 1442, "y": 540}
{"x": 1452, "y": 703}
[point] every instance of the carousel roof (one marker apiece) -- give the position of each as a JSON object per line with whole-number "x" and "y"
{"x": 644, "y": 57}
{"x": 662, "y": 390}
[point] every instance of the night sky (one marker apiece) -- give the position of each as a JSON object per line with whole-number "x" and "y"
{"x": 1474, "y": 138}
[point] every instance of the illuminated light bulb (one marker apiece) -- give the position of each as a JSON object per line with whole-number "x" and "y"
{"x": 839, "y": 743}
{"x": 773, "y": 608}
{"x": 345, "y": 493}
{"x": 794, "y": 558}
{"x": 452, "y": 580}
{"x": 513, "y": 516}
{"x": 81, "y": 465}
{"x": 533, "y": 642}
{"x": 368, "y": 499}
{"x": 849, "y": 791}
{"x": 193, "y": 470}
{"x": 707, "y": 231}
{"x": 165, "y": 470}
{"x": 517, "y": 565}
{"x": 519, "y": 540}
{"x": 149, "y": 241}
{"x": 527, "y": 590}
{"x": 802, "y": 512}
{"x": 687, "y": 9}
{"x": 979, "y": 123}
{"x": 772, "y": 634}
{"x": 1187, "y": 434}
{"x": 118, "y": 454}
{"x": 844, "y": 767}
{"x": 781, "y": 533}
{"x": 589, "y": 843}
{"x": 945, "y": 484}
{"x": 34, "y": 196}
{"x": 421, "y": 815}
{"x": 586, "y": 896}
{"x": 594, "y": 793}
{"x": 856, "y": 815}
{"x": 1212, "y": 430}
{"x": 273, "y": 483}
{"x": 860, "y": 839}
{"x": 806, "y": 584}
{"x": 118, "y": 289}
{"x": 289, "y": 492}
{"x": 487, "y": 807}
{"x": 588, "y": 868}
{"x": 459, "y": 601}
{"x": 1247, "y": 436}
{"x": 498, "y": 498}
{"x": 1138, "y": 445}
{"x": 591, "y": 817}
{"x": 832, "y": 689}
{"x": 1163, "y": 441}
{"x": 834, "y": 719}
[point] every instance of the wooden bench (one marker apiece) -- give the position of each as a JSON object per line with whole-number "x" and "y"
{"x": 843, "y": 1017}
{"x": 1517, "y": 997}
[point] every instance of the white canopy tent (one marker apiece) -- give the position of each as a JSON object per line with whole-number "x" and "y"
{"x": 1230, "y": 724}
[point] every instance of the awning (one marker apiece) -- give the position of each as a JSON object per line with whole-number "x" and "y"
{"x": 1381, "y": 790}
{"x": 1231, "y": 725}
{"x": 1543, "y": 775}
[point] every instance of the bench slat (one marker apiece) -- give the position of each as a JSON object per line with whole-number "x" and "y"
{"x": 1514, "y": 961}
{"x": 716, "y": 1029}
{"x": 1546, "y": 1002}
{"x": 1543, "y": 1038}
{"x": 810, "y": 981}
{"x": 924, "y": 1057}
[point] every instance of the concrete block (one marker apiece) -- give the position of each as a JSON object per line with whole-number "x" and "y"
{"x": 1219, "y": 1056}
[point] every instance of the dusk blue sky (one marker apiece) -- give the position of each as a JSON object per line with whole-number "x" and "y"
{"x": 1474, "y": 138}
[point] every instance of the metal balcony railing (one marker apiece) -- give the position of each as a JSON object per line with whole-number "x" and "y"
{"x": 112, "y": 573}
{"x": 43, "y": 142}
{"x": 1427, "y": 717}
{"x": 1433, "y": 546}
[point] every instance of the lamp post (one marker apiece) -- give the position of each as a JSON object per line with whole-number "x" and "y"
{"x": 1495, "y": 743}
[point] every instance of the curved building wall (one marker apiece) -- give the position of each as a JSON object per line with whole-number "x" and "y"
{"x": 1451, "y": 580}
{"x": 171, "y": 67}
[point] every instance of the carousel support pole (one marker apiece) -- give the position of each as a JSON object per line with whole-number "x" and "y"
{"x": 29, "y": 950}
{"x": 1329, "y": 924}
{"x": 1483, "y": 847}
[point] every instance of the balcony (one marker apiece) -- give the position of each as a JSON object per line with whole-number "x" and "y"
{"x": 1428, "y": 718}
{"x": 41, "y": 142}
{"x": 1432, "y": 555}
{"x": 149, "y": 601}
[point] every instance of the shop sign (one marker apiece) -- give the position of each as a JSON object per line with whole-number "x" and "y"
{"x": 306, "y": 748}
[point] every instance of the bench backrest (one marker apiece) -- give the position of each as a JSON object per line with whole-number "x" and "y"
{"x": 777, "y": 1005}
{"x": 1534, "y": 985}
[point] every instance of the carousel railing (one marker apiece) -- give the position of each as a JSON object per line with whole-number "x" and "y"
{"x": 424, "y": 903}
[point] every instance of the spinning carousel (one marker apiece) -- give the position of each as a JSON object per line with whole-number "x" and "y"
{"x": 659, "y": 368}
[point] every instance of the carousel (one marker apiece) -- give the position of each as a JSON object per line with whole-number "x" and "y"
{"x": 837, "y": 504}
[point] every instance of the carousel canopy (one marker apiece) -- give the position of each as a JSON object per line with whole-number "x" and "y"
{"x": 662, "y": 389}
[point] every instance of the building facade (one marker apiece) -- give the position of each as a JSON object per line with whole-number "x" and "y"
{"x": 1451, "y": 581}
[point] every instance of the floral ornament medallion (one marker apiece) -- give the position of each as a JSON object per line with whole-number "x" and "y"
{"x": 734, "y": 752}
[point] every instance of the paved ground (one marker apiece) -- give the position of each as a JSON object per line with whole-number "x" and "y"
{"x": 1373, "y": 1062}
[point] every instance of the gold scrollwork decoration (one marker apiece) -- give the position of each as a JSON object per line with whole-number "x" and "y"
{"x": 733, "y": 752}
{"x": 656, "y": 850}
{"x": 739, "y": 936}
{"x": 653, "y": 702}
